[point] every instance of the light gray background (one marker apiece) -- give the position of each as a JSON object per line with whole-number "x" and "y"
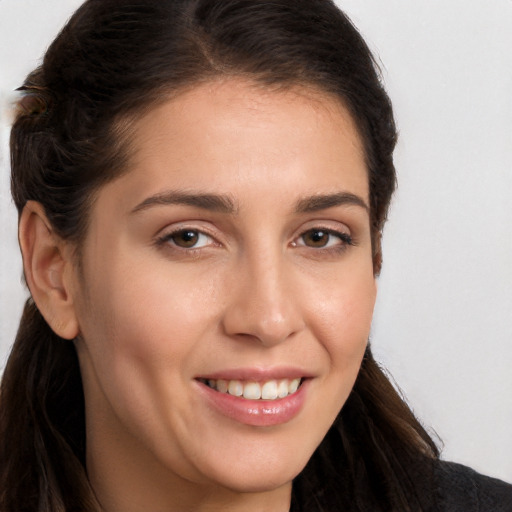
{"x": 443, "y": 324}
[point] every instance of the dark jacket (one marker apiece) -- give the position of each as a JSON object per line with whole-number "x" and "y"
{"x": 439, "y": 487}
{"x": 461, "y": 489}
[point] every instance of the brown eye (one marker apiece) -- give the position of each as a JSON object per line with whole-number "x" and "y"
{"x": 188, "y": 239}
{"x": 323, "y": 238}
{"x": 316, "y": 238}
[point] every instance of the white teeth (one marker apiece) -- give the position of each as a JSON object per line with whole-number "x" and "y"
{"x": 252, "y": 391}
{"x": 268, "y": 390}
{"x": 293, "y": 386}
{"x": 235, "y": 388}
{"x": 222, "y": 386}
{"x": 282, "y": 388}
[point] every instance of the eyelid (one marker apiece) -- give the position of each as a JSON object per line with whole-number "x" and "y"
{"x": 344, "y": 238}
{"x": 165, "y": 237}
{"x": 334, "y": 229}
{"x": 340, "y": 231}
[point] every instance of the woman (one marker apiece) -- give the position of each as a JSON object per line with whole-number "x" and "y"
{"x": 202, "y": 187}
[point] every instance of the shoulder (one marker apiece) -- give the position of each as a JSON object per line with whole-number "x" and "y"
{"x": 459, "y": 488}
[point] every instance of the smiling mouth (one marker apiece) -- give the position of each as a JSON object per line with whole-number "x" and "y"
{"x": 268, "y": 390}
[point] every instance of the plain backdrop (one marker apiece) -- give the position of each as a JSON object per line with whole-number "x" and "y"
{"x": 443, "y": 322}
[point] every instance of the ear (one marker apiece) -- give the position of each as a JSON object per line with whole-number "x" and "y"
{"x": 49, "y": 270}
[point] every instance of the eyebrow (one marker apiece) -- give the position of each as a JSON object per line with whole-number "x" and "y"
{"x": 210, "y": 202}
{"x": 225, "y": 204}
{"x": 324, "y": 201}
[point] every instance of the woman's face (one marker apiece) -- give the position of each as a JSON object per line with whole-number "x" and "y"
{"x": 233, "y": 255}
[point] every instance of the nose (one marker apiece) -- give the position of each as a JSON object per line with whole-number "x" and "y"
{"x": 263, "y": 305}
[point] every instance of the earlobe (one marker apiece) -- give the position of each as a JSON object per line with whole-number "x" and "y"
{"x": 48, "y": 270}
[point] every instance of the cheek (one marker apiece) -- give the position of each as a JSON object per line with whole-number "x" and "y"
{"x": 141, "y": 336}
{"x": 344, "y": 321}
{"x": 342, "y": 324}
{"x": 151, "y": 318}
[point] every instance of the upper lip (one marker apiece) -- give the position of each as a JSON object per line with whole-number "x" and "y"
{"x": 257, "y": 374}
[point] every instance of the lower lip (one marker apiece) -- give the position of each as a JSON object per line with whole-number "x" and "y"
{"x": 258, "y": 413}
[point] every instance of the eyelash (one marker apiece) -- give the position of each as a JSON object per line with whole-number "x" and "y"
{"x": 167, "y": 239}
{"x": 344, "y": 238}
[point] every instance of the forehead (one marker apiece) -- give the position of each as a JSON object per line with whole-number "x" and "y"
{"x": 231, "y": 132}
{"x": 249, "y": 104}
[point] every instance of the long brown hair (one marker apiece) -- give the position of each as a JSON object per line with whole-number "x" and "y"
{"x": 112, "y": 61}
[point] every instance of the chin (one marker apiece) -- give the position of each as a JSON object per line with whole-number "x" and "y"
{"x": 259, "y": 477}
{"x": 258, "y": 482}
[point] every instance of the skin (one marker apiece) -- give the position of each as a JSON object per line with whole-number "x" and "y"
{"x": 255, "y": 292}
